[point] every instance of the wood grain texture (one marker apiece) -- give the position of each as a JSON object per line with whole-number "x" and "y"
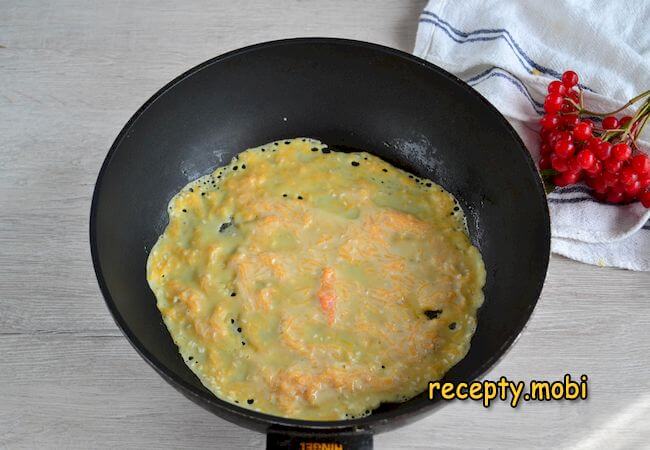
{"x": 72, "y": 74}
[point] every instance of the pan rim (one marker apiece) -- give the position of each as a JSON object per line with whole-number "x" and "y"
{"x": 373, "y": 422}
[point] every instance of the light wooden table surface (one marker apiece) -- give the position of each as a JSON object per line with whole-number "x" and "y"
{"x": 71, "y": 74}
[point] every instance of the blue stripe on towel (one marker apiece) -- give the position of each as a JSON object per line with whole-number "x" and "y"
{"x": 587, "y": 199}
{"x": 523, "y": 62}
{"x": 572, "y": 200}
{"x": 571, "y": 189}
{"x": 496, "y": 33}
{"x": 501, "y": 33}
{"x": 491, "y": 73}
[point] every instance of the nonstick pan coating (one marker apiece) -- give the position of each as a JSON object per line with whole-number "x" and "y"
{"x": 349, "y": 94}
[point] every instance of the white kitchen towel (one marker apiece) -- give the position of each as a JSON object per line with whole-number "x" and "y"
{"x": 510, "y": 51}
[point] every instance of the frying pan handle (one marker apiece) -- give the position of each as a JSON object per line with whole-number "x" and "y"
{"x": 285, "y": 439}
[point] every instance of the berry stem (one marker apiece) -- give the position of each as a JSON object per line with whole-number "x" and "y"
{"x": 642, "y": 124}
{"x": 611, "y": 113}
{"x": 637, "y": 118}
{"x": 582, "y": 98}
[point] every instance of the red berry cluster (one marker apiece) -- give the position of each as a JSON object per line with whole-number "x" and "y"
{"x": 605, "y": 157}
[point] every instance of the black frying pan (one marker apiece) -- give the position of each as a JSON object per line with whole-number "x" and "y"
{"x": 351, "y": 95}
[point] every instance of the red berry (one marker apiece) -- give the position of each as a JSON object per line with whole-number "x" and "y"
{"x": 564, "y": 148}
{"x": 566, "y": 135}
{"x": 553, "y": 103}
{"x": 632, "y": 189}
{"x": 596, "y": 169}
{"x": 612, "y": 165}
{"x": 582, "y": 130}
{"x": 615, "y": 195}
{"x": 559, "y": 164}
{"x": 621, "y": 151}
{"x": 550, "y": 121}
{"x": 603, "y": 150}
{"x": 645, "y": 199}
{"x": 627, "y": 176}
{"x": 545, "y": 149}
{"x": 610, "y": 178}
{"x": 572, "y": 177}
{"x": 624, "y": 121}
{"x": 610, "y": 123}
{"x": 644, "y": 180}
{"x": 560, "y": 181}
{"x": 586, "y": 159}
{"x": 598, "y": 184}
{"x": 569, "y": 78}
{"x": 573, "y": 165}
{"x": 640, "y": 164}
{"x": 554, "y": 136}
{"x": 568, "y": 108}
{"x": 570, "y": 120}
{"x": 544, "y": 163}
{"x": 565, "y": 179}
{"x": 556, "y": 87}
{"x": 592, "y": 144}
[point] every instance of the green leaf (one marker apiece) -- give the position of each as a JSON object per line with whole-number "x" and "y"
{"x": 547, "y": 177}
{"x": 546, "y": 173}
{"x": 549, "y": 187}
